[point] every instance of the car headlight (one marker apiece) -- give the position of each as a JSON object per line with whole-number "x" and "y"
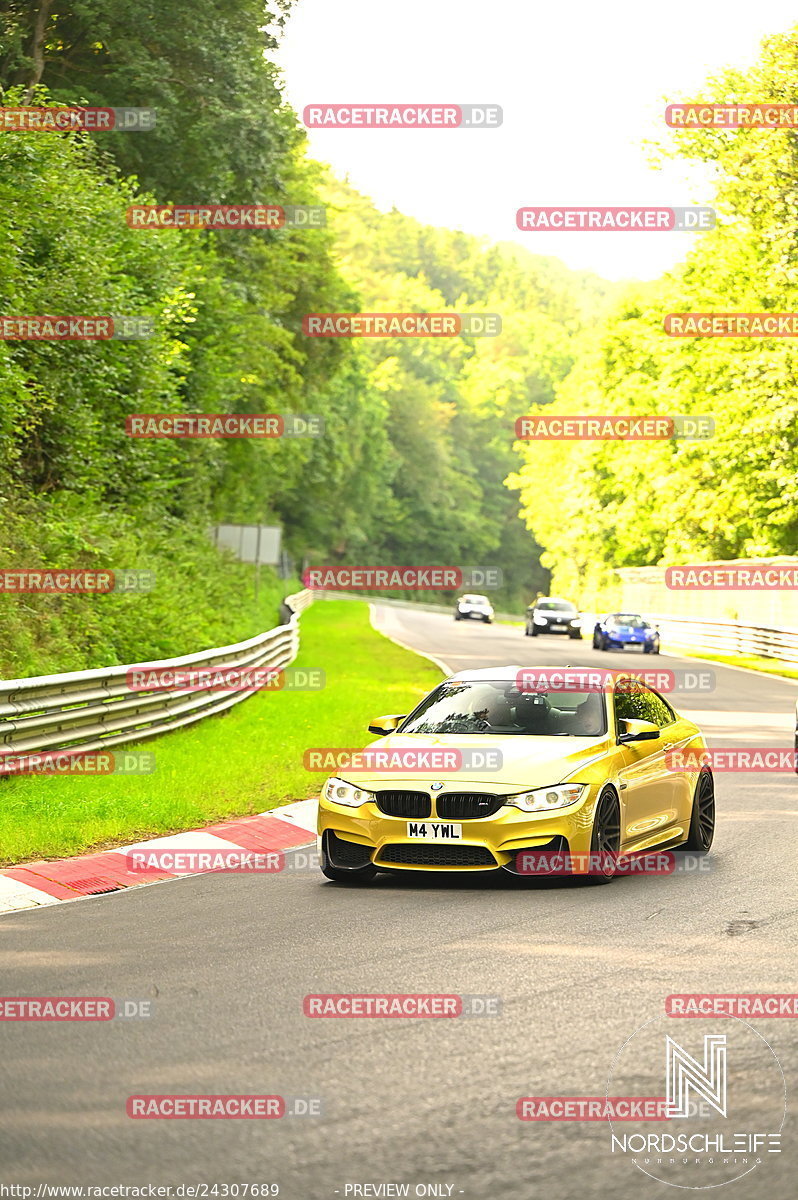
{"x": 341, "y": 792}
{"x": 576, "y": 622}
{"x": 539, "y": 620}
{"x": 543, "y": 799}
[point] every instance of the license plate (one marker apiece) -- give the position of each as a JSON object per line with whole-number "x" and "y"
{"x": 558, "y": 627}
{"x": 434, "y": 831}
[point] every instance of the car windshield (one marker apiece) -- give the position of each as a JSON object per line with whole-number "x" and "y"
{"x": 630, "y": 619}
{"x": 474, "y": 600}
{"x": 556, "y": 606}
{"x": 496, "y": 706}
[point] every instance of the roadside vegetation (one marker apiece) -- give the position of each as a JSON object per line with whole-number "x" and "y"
{"x": 418, "y": 438}
{"x": 734, "y": 494}
{"x": 417, "y": 463}
{"x": 751, "y": 662}
{"x": 245, "y": 762}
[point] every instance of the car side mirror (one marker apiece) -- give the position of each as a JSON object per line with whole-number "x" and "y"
{"x": 384, "y": 725}
{"x": 638, "y": 731}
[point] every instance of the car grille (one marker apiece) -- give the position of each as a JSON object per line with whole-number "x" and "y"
{"x": 465, "y": 806}
{"x": 404, "y": 804}
{"x": 427, "y": 854}
{"x": 346, "y": 854}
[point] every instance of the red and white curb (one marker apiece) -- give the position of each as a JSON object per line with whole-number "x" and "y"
{"x": 41, "y": 883}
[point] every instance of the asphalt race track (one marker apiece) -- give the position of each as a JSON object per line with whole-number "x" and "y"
{"x": 228, "y": 959}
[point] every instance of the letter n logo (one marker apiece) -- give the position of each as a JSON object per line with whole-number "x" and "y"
{"x": 685, "y": 1074}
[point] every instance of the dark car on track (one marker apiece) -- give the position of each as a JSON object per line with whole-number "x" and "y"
{"x": 551, "y": 615}
{"x": 474, "y": 608}
{"x": 617, "y": 630}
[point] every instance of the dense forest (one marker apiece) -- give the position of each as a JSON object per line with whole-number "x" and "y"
{"x": 736, "y": 494}
{"x": 417, "y": 464}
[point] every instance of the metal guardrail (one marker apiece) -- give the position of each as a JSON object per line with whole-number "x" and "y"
{"x": 86, "y": 711}
{"x": 725, "y": 637}
{"x": 728, "y": 637}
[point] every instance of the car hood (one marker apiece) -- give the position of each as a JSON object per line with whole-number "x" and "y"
{"x": 526, "y": 761}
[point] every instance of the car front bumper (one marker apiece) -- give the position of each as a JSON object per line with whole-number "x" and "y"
{"x": 502, "y": 836}
{"x": 630, "y": 639}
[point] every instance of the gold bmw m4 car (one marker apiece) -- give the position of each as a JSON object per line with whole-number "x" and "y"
{"x": 497, "y": 765}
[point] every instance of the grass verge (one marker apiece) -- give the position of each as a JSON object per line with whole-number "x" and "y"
{"x": 751, "y": 662}
{"x": 245, "y": 762}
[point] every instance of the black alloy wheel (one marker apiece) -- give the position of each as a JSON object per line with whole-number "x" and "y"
{"x": 702, "y": 821}
{"x": 605, "y": 842}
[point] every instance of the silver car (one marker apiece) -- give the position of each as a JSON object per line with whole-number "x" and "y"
{"x": 470, "y": 607}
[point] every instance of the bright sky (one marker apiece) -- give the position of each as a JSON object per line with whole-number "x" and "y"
{"x": 582, "y": 83}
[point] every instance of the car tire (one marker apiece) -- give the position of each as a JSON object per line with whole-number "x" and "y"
{"x": 655, "y": 649}
{"x": 457, "y": 616}
{"x": 596, "y": 645}
{"x": 575, "y": 637}
{"x": 533, "y": 631}
{"x": 604, "y": 644}
{"x": 487, "y": 621}
{"x": 702, "y": 819}
{"x": 605, "y": 839}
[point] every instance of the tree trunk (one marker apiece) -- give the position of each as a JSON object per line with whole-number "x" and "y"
{"x": 31, "y": 75}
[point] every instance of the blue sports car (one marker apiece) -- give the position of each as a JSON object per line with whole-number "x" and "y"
{"x": 617, "y": 630}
